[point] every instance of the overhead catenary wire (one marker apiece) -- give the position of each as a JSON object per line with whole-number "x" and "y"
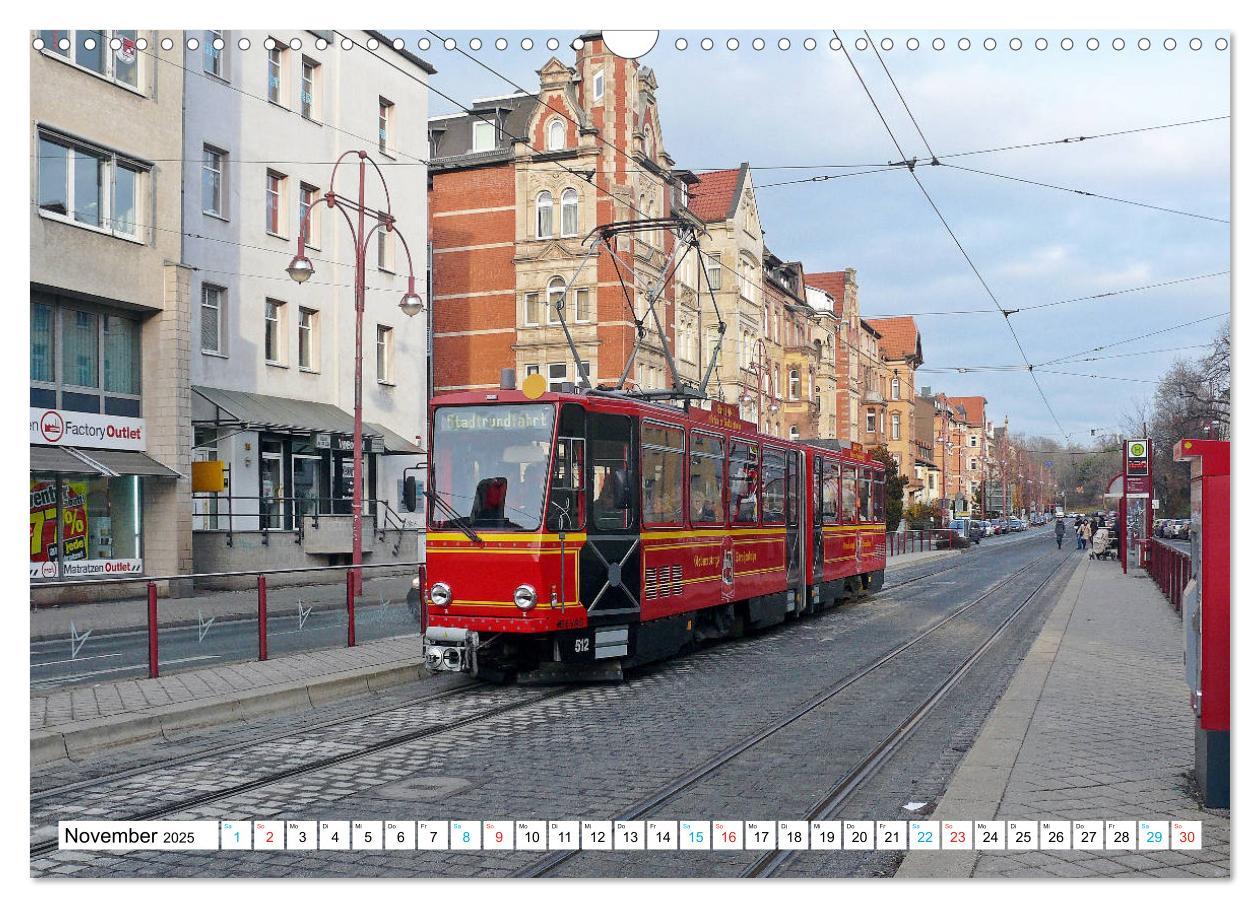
{"x": 1086, "y": 193}
{"x": 1129, "y": 340}
{"x": 945, "y": 223}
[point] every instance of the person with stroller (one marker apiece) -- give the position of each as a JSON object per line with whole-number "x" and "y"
{"x": 1101, "y": 543}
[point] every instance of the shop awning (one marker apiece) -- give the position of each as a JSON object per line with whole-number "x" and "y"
{"x": 96, "y": 462}
{"x": 394, "y": 443}
{"x": 247, "y": 410}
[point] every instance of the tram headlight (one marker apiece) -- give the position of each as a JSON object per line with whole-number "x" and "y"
{"x": 525, "y": 597}
{"x": 440, "y": 594}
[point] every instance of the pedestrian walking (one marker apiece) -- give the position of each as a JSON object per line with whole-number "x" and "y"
{"x": 1060, "y": 530}
{"x": 1082, "y": 537}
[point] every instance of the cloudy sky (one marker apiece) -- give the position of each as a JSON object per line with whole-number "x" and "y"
{"x": 1032, "y": 245}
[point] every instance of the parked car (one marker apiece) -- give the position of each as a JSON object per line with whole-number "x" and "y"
{"x": 963, "y": 531}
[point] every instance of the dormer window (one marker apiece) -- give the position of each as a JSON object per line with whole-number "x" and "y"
{"x": 483, "y": 135}
{"x": 555, "y": 135}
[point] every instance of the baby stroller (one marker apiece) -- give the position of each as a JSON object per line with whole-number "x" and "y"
{"x": 1101, "y": 547}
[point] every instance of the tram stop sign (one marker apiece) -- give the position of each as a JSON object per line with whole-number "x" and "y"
{"x": 1137, "y": 467}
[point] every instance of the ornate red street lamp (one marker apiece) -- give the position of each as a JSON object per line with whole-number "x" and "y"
{"x": 762, "y": 369}
{"x": 301, "y": 269}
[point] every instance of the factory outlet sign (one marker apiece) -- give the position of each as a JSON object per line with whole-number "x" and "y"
{"x": 86, "y": 430}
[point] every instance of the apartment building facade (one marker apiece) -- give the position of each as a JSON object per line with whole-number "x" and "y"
{"x": 109, "y": 311}
{"x": 516, "y": 188}
{"x": 901, "y": 351}
{"x": 273, "y": 362}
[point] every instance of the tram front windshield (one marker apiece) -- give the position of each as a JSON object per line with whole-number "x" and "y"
{"x": 490, "y": 465}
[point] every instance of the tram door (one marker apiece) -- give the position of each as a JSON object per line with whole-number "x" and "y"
{"x": 817, "y": 547}
{"x": 611, "y": 560}
{"x": 794, "y": 486}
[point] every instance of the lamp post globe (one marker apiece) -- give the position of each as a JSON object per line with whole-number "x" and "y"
{"x": 411, "y": 304}
{"x": 300, "y": 269}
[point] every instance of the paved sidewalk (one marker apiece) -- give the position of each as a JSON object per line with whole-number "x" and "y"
{"x": 75, "y": 722}
{"x": 1095, "y": 725}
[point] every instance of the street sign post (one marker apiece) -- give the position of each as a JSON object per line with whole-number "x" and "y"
{"x": 1136, "y": 518}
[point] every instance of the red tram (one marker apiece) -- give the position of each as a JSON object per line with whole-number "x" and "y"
{"x": 580, "y": 533}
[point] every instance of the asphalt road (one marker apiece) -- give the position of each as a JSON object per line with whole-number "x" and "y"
{"x": 591, "y": 751}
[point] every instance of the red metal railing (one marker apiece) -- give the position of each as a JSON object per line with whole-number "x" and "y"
{"x": 1171, "y": 570}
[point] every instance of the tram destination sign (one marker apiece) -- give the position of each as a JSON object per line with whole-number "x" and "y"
{"x": 86, "y": 430}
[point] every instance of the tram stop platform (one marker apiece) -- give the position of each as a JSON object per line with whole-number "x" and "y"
{"x": 1095, "y": 725}
{"x": 74, "y": 723}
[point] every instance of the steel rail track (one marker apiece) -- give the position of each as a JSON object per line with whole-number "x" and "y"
{"x": 47, "y": 845}
{"x": 681, "y": 783}
{"x": 835, "y": 798}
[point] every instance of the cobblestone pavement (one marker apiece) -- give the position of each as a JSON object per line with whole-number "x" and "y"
{"x": 1095, "y": 726}
{"x": 594, "y": 751}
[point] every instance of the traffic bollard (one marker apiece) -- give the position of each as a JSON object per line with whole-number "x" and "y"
{"x": 153, "y": 630}
{"x": 349, "y": 607}
{"x": 262, "y": 618}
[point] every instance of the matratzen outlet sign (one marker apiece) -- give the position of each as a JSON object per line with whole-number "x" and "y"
{"x": 86, "y": 430}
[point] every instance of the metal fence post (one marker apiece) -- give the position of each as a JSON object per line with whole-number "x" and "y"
{"x": 153, "y": 630}
{"x": 350, "y": 608}
{"x": 262, "y": 618}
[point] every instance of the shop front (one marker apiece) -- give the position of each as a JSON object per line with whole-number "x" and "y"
{"x": 86, "y": 517}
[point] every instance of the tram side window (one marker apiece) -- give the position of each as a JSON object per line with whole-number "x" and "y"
{"x": 830, "y": 492}
{"x": 864, "y": 497}
{"x": 745, "y": 482}
{"x": 877, "y": 499}
{"x": 611, "y": 473}
{"x": 662, "y": 465}
{"x": 773, "y": 499}
{"x": 850, "y": 509}
{"x": 706, "y": 479}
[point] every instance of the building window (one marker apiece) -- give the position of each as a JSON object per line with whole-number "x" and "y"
{"x": 213, "y": 163}
{"x": 308, "y": 214}
{"x": 532, "y": 315}
{"x": 555, "y": 135}
{"x": 310, "y": 88}
{"x": 275, "y": 72}
{"x": 794, "y": 384}
{"x": 713, "y": 271}
{"x": 974, "y": 441}
{"x": 213, "y": 301}
{"x": 896, "y": 427}
{"x": 385, "y": 126}
{"x": 544, "y": 207}
{"x": 870, "y": 420}
{"x": 555, "y": 297}
{"x": 794, "y": 433}
{"x": 276, "y": 183}
{"x": 557, "y": 375}
{"x": 582, "y": 305}
{"x": 78, "y": 523}
{"x": 598, "y": 83}
{"x": 483, "y": 136}
{"x": 384, "y": 354}
{"x": 212, "y": 53}
{"x": 92, "y": 52}
{"x": 385, "y": 249}
{"x": 569, "y": 213}
{"x": 973, "y": 463}
{"x": 896, "y": 388}
{"x": 273, "y": 332}
{"x": 308, "y": 339}
{"x": 92, "y": 187}
{"x": 82, "y": 359}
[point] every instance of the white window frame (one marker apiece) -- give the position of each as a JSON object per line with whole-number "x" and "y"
{"x": 554, "y": 141}
{"x": 794, "y": 384}
{"x": 282, "y": 191}
{"x": 551, "y": 215}
{"x": 309, "y": 108}
{"x": 581, "y": 311}
{"x": 209, "y": 51}
{"x": 220, "y": 211}
{"x": 278, "y": 329}
{"x": 531, "y": 318}
{"x": 385, "y": 249}
{"x": 597, "y": 86}
{"x": 113, "y": 162}
{"x": 479, "y": 128}
{"x": 220, "y": 312}
{"x": 310, "y": 317}
{"x": 110, "y": 74}
{"x": 713, "y": 270}
{"x": 385, "y": 112}
{"x": 312, "y": 225}
{"x": 555, "y": 287}
{"x": 277, "y": 57}
{"x": 557, "y": 374}
{"x": 570, "y": 201}
{"x": 896, "y": 427}
{"x": 870, "y": 421}
{"x": 384, "y": 355}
